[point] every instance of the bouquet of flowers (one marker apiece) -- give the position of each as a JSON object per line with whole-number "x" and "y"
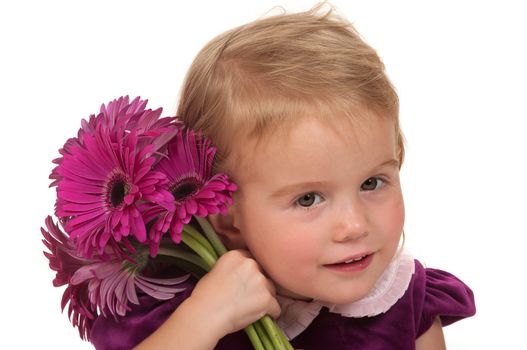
{"x": 133, "y": 193}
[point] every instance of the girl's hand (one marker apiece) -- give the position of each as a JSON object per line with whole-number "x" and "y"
{"x": 235, "y": 293}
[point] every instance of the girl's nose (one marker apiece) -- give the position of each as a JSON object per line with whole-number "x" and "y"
{"x": 351, "y": 222}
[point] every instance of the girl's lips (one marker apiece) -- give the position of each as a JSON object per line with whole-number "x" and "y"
{"x": 352, "y": 264}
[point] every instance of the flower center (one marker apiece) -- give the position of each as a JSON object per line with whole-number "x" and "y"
{"x": 137, "y": 263}
{"x": 185, "y": 187}
{"x": 116, "y": 189}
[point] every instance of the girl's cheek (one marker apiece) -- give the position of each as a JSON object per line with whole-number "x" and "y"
{"x": 396, "y": 217}
{"x": 389, "y": 218}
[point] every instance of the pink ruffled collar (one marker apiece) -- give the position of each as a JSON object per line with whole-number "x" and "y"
{"x": 297, "y": 315}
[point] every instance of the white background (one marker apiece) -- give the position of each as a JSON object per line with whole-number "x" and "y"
{"x": 459, "y": 67}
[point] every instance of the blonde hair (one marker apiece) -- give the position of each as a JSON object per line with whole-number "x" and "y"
{"x": 268, "y": 72}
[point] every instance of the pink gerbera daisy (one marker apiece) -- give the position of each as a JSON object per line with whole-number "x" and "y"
{"x": 64, "y": 260}
{"x": 113, "y": 284}
{"x": 188, "y": 167}
{"x": 100, "y": 186}
{"x": 105, "y": 283}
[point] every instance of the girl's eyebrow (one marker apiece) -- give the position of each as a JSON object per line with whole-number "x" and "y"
{"x": 390, "y": 163}
{"x": 298, "y": 187}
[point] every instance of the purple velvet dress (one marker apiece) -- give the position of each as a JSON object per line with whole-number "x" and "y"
{"x": 431, "y": 293}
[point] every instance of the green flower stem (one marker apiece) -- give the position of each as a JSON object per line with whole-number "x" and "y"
{"x": 196, "y": 246}
{"x": 181, "y": 254}
{"x": 253, "y": 336}
{"x": 263, "y": 335}
{"x": 276, "y": 331}
{"x": 211, "y": 235}
{"x": 270, "y": 327}
{"x": 191, "y": 231}
{"x": 285, "y": 341}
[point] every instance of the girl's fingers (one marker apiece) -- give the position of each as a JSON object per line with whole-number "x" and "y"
{"x": 274, "y": 309}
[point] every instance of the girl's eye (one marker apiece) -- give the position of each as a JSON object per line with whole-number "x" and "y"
{"x": 372, "y": 184}
{"x": 309, "y": 200}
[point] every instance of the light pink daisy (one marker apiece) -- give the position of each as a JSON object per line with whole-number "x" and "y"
{"x": 105, "y": 283}
{"x": 113, "y": 285}
{"x": 188, "y": 167}
{"x": 100, "y": 186}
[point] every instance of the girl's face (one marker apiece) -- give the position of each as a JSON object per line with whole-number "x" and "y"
{"x": 320, "y": 207}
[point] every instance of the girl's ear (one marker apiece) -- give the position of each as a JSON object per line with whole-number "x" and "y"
{"x": 228, "y": 232}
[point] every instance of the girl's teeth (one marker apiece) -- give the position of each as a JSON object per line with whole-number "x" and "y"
{"x": 353, "y": 260}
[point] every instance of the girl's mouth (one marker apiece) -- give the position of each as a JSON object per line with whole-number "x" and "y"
{"x": 355, "y": 264}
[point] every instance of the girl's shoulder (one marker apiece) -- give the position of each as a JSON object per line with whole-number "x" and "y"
{"x": 427, "y": 294}
{"x": 436, "y": 293}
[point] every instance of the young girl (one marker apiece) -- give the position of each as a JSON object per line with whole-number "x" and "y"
{"x": 306, "y": 124}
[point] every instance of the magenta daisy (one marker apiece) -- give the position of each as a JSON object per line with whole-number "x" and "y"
{"x": 188, "y": 167}
{"x": 72, "y": 142}
{"x": 101, "y": 184}
{"x": 64, "y": 260}
{"x": 122, "y": 115}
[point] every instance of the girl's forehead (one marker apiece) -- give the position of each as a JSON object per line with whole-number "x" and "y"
{"x": 308, "y": 134}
